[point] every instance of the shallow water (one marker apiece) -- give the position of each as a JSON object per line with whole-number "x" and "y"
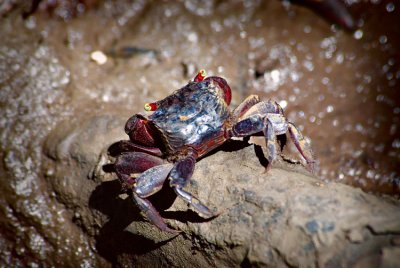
{"x": 341, "y": 89}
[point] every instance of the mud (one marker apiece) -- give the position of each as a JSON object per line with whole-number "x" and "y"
{"x": 340, "y": 88}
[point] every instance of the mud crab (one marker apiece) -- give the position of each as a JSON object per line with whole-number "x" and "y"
{"x": 187, "y": 125}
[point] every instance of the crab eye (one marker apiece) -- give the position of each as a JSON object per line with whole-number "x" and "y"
{"x": 200, "y": 75}
{"x": 150, "y": 107}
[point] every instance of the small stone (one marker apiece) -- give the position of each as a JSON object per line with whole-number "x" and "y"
{"x": 99, "y": 57}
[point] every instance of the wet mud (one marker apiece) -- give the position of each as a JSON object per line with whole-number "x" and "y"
{"x": 341, "y": 88}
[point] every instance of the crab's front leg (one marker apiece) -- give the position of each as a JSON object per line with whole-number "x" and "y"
{"x": 147, "y": 184}
{"x": 131, "y": 163}
{"x": 151, "y": 181}
{"x": 153, "y": 172}
{"x": 179, "y": 177}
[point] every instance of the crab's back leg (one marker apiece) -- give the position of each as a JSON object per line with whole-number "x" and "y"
{"x": 270, "y": 124}
{"x": 263, "y": 108}
{"x": 179, "y": 177}
{"x": 245, "y": 106}
{"x": 302, "y": 145}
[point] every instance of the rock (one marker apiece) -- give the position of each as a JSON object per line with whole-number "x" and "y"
{"x": 285, "y": 217}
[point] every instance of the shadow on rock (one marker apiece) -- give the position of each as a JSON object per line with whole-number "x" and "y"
{"x": 237, "y": 145}
{"x": 113, "y": 240}
{"x": 185, "y": 216}
{"x": 228, "y": 146}
{"x": 114, "y": 237}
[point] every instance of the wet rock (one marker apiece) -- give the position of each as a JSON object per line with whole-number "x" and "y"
{"x": 285, "y": 217}
{"x": 36, "y": 230}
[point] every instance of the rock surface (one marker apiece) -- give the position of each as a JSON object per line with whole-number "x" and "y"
{"x": 285, "y": 217}
{"x": 62, "y": 210}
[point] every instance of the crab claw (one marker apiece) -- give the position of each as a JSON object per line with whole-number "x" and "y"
{"x": 333, "y": 10}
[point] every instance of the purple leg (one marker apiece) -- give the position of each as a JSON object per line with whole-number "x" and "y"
{"x": 179, "y": 177}
{"x": 258, "y": 119}
{"x": 267, "y": 117}
{"x": 263, "y": 108}
{"x": 152, "y": 180}
{"x": 151, "y": 214}
{"x": 248, "y": 126}
{"x": 302, "y": 145}
{"x": 128, "y": 146}
{"x": 147, "y": 184}
{"x": 245, "y": 106}
{"x": 128, "y": 164}
{"x": 270, "y": 139}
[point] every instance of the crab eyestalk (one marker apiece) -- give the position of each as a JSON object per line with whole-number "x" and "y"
{"x": 200, "y": 75}
{"x": 150, "y": 106}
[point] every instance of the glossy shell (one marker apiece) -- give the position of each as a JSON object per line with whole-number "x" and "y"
{"x": 192, "y": 116}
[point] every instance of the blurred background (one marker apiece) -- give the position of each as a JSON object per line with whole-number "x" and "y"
{"x": 340, "y": 87}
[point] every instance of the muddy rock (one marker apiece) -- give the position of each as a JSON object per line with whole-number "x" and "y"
{"x": 286, "y": 217}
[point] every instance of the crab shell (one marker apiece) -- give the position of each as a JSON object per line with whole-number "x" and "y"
{"x": 194, "y": 116}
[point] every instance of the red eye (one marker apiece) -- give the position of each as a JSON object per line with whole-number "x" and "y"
{"x": 200, "y": 76}
{"x": 150, "y": 106}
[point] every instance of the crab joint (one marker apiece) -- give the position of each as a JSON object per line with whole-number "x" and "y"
{"x": 150, "y": 107}
{"x": 200, "y": 76}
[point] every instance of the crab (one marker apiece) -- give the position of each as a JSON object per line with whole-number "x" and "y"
{"x": 186, "y": 126}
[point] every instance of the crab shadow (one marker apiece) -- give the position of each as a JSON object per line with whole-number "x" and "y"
{"x": 113, "y": 238}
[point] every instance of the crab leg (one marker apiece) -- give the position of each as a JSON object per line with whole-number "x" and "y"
{"x": 256, "y": 122}
{"x": 179, "y": 177}
{"x": 128, "y": 146}
{"x": 263, "y": 108}
{"x": 148, "y": 210}
{"x": 147, "y": 184}
{"x": 246, "y": 127}
{"x": 302, "y": 145}
{"x": 245, "y": 106}
{"x": 271, "y": 124}
{"x": 152, "y": 180}
{"x": 132, "y": 163}
{"x": 270, "y": 139}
